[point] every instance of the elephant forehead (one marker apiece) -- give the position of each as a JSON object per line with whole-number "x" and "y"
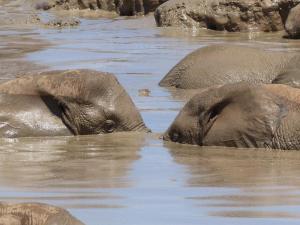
{"x": 204, "y": 99}
{"x": 39, "y": 213}
{"x": 284, "y": 91}
{"x": 10, "y": 220}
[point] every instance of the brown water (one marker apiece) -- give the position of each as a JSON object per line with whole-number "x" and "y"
{"x": 136, "y": 179}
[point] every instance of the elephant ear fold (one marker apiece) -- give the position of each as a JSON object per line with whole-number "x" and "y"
{"x": 65, "y": 94}
{"x": 246, "y": 117}
{"x": 66, "y": 84}
{"x": 262, "y": 113}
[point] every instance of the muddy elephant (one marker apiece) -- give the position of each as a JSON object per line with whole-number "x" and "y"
{"x": 97, "y": 4}
{"x": 137, "y": 7}
{"x": 222, "y": 64}
{"x": 122, "y": 7}
{"x": 240, "y": 115}
{"x": 35, "y": 214}
{"x": 292, "y": 24}
{"x": 57, "y": 103}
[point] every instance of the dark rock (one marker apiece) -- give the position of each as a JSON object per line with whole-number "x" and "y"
{"x": 292, "y": 25}
{"x": 229, "y": 15}
{"x": 63, "y": 22}
{"x": 122, "y": 7}
{"x": 43, "y": 6}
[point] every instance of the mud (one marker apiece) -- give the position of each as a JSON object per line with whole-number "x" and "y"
{"x": 13, "y": 50}
{"x": 136, "y": 178}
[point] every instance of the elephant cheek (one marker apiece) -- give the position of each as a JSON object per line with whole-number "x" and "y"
{"x": 220, "y": 134}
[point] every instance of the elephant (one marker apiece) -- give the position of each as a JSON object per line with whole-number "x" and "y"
{"x": 242, "y": 115}
{"x": 122, "y": 7}
{"x": 222, "y": 64}
{"x": 134, "y": 7}
{"x": 292, "y": 24}
{"x": 66, "y": 102}
{"x": 130, "y": 7}
{"x": 35, "y": 214}
{"x": 108, "y": 5}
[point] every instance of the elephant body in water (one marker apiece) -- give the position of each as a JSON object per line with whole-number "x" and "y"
{"x": 64, "y": 103}
{"x": 223, "y": 64}
{"x": 35, "y": 214}
{"x": 240, "y": 115}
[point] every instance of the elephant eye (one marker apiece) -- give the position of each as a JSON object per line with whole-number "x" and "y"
{"x": 175, "y": 137}
{"x": 109, "y": 126}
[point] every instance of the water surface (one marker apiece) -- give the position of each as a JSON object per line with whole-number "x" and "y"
{"x": 137, "y": 179}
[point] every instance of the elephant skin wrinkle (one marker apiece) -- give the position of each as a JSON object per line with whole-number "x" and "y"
{"x": 198, "y": 69}
{"x": 35, "y": 214}
{"x": 240, "y": 115}
{"x": 66, "y": 102}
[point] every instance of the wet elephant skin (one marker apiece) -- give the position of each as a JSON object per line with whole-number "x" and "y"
{"x": 60, "y": 103}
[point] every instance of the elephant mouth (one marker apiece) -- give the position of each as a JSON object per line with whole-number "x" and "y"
{"x": 141, "y": 128}
{"x": 181, "y": 137}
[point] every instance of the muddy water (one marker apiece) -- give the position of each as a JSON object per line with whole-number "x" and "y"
{"x": 136, "y": 179}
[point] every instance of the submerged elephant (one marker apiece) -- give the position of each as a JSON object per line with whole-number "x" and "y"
{"x": 222, "y": 64}
{"x": 35, "y": 214}
{"x": 240, "y": 115}
{"x": 59, "y": 103}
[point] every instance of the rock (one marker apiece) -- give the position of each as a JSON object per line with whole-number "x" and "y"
{"x": 63, "y": 22}
{"x": 229, "y": 15}
{"x": 35, "y": 214}
{"x": 43, "y": 6}
{"x": 292, "y": 25}
{"x": 122, "y": 7}
{"x": 144, "y": 92}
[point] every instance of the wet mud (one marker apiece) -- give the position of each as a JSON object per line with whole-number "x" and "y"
{"x": 132, "y": 178}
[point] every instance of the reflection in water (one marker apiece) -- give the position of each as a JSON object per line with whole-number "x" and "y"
{"x": 238, "y": 167}
{"x": 73, "y": 163}
{"x": 87, "y": 161}
{"x": 266, "y": 182}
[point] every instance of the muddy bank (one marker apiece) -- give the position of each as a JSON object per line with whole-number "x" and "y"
{"x": 229, "y": 15}
{"x": 22, "y": 14}
{"x": 12, "y": 55}
{"x": 119, "y": 7}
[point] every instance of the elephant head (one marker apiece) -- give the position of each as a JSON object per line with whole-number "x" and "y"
{"x": 88, "y": 102}
{"x": 234, "y": 115}
{"x": 35, "y": 214}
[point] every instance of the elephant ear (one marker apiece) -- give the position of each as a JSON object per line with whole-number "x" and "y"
{"x": 69, "y": 84}
{"x": 83, "y": 85}
{"x": 72, "y": 91}
{"x": 248, "y": 117}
